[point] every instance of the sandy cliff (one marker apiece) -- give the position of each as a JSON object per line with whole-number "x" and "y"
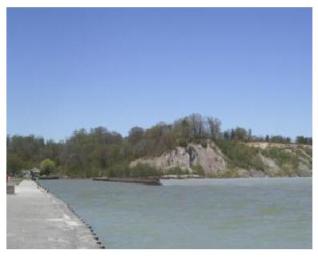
{"x": 210, "y": 161}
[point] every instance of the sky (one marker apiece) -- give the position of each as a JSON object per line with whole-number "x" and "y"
{"x": 118, "y": 68}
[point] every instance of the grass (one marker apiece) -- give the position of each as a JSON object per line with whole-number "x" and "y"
{"x": 288, "y": 161}
{"x": 140, "y": 170}
{"x": 241, "y": 155}
{"x": 198, "y": 169}
{"x": 177, "y": 171}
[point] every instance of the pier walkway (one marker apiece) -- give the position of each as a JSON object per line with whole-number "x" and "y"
{"x": 38, "y": 220}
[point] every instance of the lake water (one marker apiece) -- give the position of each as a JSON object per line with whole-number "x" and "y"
{"x": 195, "y": 213}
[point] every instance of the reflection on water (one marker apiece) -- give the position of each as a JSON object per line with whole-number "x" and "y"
{"x": 195, "y": 213}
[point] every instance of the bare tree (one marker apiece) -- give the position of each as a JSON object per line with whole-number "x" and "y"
{"x": 214, "y": 125}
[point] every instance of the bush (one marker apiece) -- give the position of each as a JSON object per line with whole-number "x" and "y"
{"x": 204, "y": 143}
{"x": 47, "y": 167}
{"x": 308, "y": 151}
{"x": 118, "y": 170}
{"x": 182, "y": 142}
{"x": 177, "y": 171}
{"x": 198, "y": 169}
{"x": 283, "y": 158}
{"x": 230, "y": 173}
{"x": 241, "y": 155}
{"x": 141, "y": 170}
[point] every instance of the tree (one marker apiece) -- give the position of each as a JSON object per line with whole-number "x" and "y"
{"x": 182, "y": 131}
{"x": 239, "y": 134}
{"x": 303, "y": 140}
{"x": 24, "y": 152}
{"x": 279, "y": 139}
{"x": 214, "y": 125}
{"x": 197, "y": 125}
{"x": 47, "y": 167}
{"x": 227, "y": 135}
{"x": 250, "y": 135}
{"x": 135, "y": 134}
{"x": 14, "y": 164}
{"x": 88, "y": 153}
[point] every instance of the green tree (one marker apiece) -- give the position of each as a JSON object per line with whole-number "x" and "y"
{"x": 135, "y": 134}
{"x": 98, "y": 151}
{"x": 47, "y": 167}
{"x": 14, "y": 164}
{"x": 303, "y": 140}
{"x": 239, "y": 134}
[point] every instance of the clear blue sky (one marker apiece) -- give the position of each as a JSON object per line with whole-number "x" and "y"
{"x": 82, "y": 68}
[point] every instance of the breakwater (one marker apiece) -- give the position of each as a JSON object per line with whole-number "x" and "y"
{"x": 36, "y": 219}
{"x": 89, "y": 227}
{"x": 145, "y": 181}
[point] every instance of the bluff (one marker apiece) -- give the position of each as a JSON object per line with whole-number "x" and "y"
{"x": 254, "y": 159}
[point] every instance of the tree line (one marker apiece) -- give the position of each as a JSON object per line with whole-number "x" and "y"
{"x": 98, "y": 151}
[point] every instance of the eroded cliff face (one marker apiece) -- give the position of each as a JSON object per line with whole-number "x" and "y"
{"x": 189, "y": 158}
{"x": 211, "y": 162}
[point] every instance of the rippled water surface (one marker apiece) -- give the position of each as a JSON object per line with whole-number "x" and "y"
{"x": 195, "y": 213}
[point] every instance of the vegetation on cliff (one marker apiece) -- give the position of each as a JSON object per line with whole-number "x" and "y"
{"x": 100, "y": 152}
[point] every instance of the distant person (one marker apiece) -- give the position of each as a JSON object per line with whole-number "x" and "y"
{"x": 33, "y": 176}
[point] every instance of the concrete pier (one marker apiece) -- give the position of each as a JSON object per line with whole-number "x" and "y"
{"x": 38, "y": 220}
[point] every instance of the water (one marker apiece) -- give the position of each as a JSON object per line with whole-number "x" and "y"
{"x": 195, "y": 213}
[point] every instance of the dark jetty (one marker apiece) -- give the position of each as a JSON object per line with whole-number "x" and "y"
{"x": 48, "y": 177}
{"x": 138, "y": 180}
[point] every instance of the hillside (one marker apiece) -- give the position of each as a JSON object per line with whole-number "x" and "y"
{"x": 190, "y": 145}
{"x": 266, "y": 159}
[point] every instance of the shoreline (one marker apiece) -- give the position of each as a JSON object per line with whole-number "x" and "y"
{"x": 176, "y": 177}
{"x": 37, "y": 219}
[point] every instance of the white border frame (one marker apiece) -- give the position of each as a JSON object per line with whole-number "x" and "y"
{"x": 164, "y": 3}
